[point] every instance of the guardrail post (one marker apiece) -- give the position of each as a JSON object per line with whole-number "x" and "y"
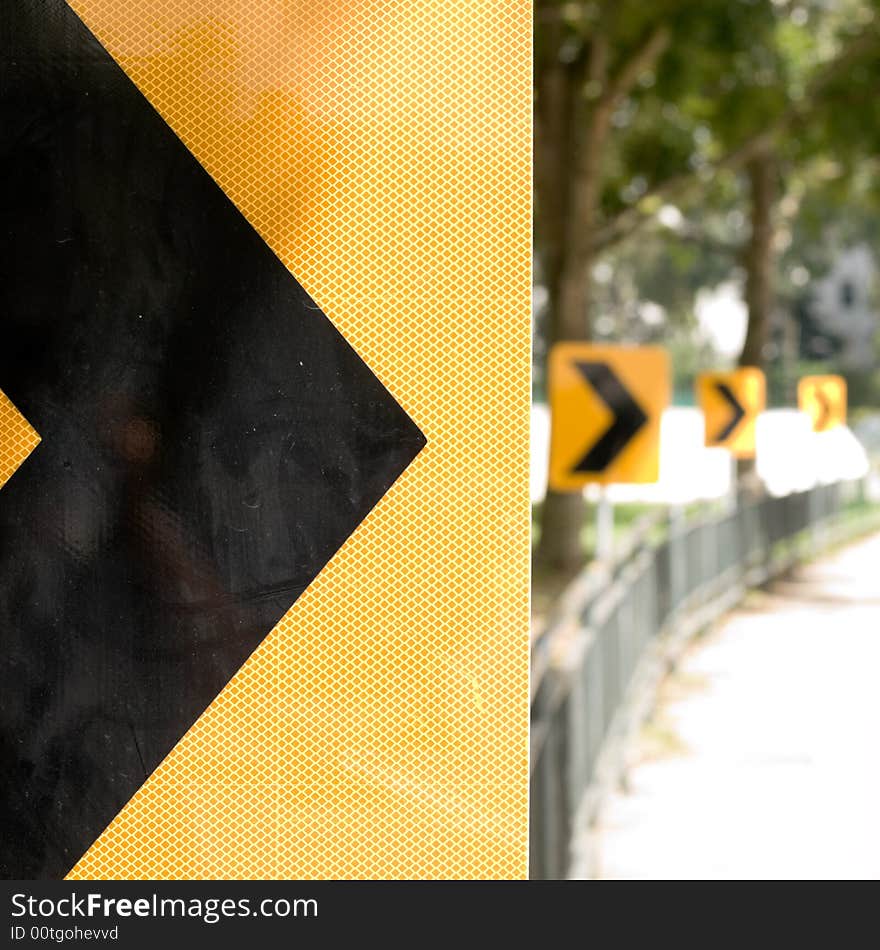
{"x": 677, "y": 559}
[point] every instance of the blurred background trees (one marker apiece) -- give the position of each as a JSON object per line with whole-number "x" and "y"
{"x": 700, "y": 159}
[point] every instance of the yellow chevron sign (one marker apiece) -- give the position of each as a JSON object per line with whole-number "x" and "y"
{"x": 606, "y": 403}
{"x": 731, "y": 402}
{"x": 823, "y": 399}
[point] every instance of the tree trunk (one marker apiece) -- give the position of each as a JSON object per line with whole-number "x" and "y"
{"x": 759, "y": 258}
{"x": 572, "y": 131}
{"x": 567, "y": 177}
{"x": 759, "y": 266}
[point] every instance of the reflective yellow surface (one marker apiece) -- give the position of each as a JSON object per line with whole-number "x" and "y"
{"x": 18, "y": 439}
{"x": 382, "y": 150}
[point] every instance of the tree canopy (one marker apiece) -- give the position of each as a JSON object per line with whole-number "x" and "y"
{"x": 683, "y": 143}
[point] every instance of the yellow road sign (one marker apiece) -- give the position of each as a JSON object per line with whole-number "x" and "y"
{"x": 823, "y": 399}
{"x": 606, "y": 403}
{"x": 330, "y": 768}
{"x": 731, "y": 403}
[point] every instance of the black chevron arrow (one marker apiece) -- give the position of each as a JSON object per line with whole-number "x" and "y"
{"x": 738, "y": 413}
{"x": 825, "y": 413}
{"x": 628, "y": 417}
{"x": 209, "y": 440}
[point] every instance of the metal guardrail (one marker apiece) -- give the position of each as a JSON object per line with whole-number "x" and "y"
{"x": 590, "y": 666}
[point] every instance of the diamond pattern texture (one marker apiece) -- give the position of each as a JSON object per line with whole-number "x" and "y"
{"x": 18, "y": 438}
{"x": 382, "y": 150}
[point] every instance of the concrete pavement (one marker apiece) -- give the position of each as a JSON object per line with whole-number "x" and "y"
{"x": 762, "y": 759}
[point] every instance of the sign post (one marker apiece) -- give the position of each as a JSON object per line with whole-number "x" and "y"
{"x": 604, "y": 527}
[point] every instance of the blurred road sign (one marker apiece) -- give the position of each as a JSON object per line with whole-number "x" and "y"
{"x": 606, "y": 403}
{"x": 731, "y": 403}
{"x": 823, "y": 399}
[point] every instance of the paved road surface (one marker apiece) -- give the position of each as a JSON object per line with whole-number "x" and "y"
{"x": 763, "y": 757}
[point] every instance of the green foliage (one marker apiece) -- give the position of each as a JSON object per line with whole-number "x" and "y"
{"x": 732, "y": 70}
{"x": 667, "y": 104}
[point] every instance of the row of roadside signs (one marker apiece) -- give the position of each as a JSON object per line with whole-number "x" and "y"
{"x": 606, "y": 403}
